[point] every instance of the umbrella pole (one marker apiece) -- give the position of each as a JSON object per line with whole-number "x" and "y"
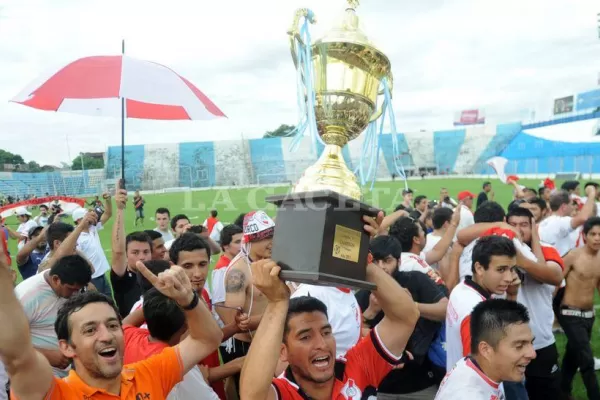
{"x": 123, "y": 129}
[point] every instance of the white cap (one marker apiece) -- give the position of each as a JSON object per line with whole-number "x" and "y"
{"x": 22, "y": 211}
{"x": 79, "y": 214}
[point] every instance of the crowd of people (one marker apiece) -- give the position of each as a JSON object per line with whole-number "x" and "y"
{"x": 467, "y": 296}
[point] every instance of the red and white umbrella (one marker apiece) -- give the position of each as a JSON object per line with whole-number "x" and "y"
{"x": 95, "y": 86}
{"x": 119, "y": 86}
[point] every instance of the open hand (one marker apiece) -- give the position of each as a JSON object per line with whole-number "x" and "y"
{"x": 265, "y": 276}
{"x": 173, "y": 283}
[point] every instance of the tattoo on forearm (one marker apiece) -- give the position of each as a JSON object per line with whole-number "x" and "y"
{"x": 236, "y": 281}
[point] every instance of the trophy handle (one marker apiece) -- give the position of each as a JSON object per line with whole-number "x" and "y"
{"x": 379, "y": 111}
{"x": 294, "y": 33}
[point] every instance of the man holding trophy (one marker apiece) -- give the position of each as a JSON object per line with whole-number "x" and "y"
{"x": 342, "y": 76}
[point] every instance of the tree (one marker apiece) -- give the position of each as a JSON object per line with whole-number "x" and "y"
{"x": 283, "y": 131}
{"x": 88, "y": 163}
{"x": 6, "y": 157}
{"x": 32, "y": 166}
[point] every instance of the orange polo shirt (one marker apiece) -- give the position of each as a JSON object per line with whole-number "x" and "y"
{"x": 151, "y": 379}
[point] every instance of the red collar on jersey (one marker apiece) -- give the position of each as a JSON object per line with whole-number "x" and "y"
{"x": 470, "y": 283}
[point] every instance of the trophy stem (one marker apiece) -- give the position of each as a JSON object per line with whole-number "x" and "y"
{"x": 330, "y": 172}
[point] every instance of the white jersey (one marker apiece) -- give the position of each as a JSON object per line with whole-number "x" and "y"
{"x": 463, "y": 299}
{"x": 413, "y": 262}
{"x": 343, "y": 312}
{"x": 467, "y": 381}
{"x": 432, "y": 240}
{"x": 537, "y": 297}
{"x": 556, "y": 231}
{"x": 88, "y": 243}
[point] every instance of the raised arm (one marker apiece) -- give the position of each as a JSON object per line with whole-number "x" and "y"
{"x": 401, "y": 312}
{"x": 450, "y": 271}
{"x": 119, "y": 257}
{"x": 69, "y": 245}
{"x": 29, "y": 371}
{"x": 261, "y": 360}
{"x": 441, "y": 248}
{"x": 204, "y": 334}
{"x": 540, "y": 270}
{"x": 587, "y": 210}
{"x": 466, "y": 235}
{"x": 108, "y": 208}
{"x": 30, "y": 246}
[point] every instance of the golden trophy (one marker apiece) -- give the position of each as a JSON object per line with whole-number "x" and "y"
{"x": 319, "y": 235}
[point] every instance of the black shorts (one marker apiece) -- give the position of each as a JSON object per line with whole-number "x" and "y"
{"x": 542, "y": 377}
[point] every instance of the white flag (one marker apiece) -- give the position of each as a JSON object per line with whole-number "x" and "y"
{"x": 499, "y": 165}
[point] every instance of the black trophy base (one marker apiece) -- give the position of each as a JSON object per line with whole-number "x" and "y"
{"x": 320, "y": 239}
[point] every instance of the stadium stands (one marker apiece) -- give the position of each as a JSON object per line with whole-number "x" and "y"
{"x": 563, "y": 145}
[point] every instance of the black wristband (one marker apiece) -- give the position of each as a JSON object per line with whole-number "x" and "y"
{"x": 194, "y": 303}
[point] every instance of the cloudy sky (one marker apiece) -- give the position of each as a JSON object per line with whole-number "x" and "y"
{"x": 447, "y": 55}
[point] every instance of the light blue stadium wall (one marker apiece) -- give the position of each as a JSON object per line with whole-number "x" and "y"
{"x": 197, "y": 164}
{"x": 536, "y": 155}
{"x": 446, "y": 146}
{"x": 505, "y": 133}
{"x": 267, "y": 160}
{"x": 134, "y": 165}
{"x": 387, "y": 148}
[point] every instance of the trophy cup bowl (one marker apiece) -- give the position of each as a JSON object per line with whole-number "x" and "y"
{"x": 319, "y": 236}
{"x": 348, "y": 71}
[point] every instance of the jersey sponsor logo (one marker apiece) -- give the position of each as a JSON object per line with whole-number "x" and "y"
{"x": 350, "y": 391}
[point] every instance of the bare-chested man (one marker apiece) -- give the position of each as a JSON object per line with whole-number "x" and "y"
{"x": 239, "y": 291}
{"x": 574, "y": 307}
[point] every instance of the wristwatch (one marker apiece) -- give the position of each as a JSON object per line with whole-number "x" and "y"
{"x": 194, "y": 303}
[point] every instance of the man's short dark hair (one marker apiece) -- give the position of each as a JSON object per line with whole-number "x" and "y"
{"x": 299, "y": 305}
{"x": 418, "y": 200}
{"x": 490, "y": 211}
{"x": 163, "y": 210}
{"x": 590, "y": 223}
{"x": 541, "y": 191}
{"x": 239, "y": 221}
{"x": 541, "y": 203}
{"x": 154, "y": 266}
{"x": 163, "y": 316}
{"x": 58, "y": 231}
{"x": 440, "y": 216}
{"x": 72, "y": 270}
{"x": 594, "y": 184}
{"x": 569, "y": 185}
{"x": 227, "y": 234}
{"x": 152, "y": 234}
{"x": 489, "y": 246}
{"x": 176, "y": 219}
{"x": 43, "y": 206}
{"x": 382, "y": 247}
{"x": 486, "y": 183}
{"x": 519, "y": 212}
{"x": 405, "y": 229}
{"x": 141, "y": 237}
{"x": 559, "y": 198}
{"x": 74, "y": 304}
{"x": 187, "y": 242}
{"x": 515, "y": 204}
{"x": 214, "y": 213}
{"x": 491, "y": 318}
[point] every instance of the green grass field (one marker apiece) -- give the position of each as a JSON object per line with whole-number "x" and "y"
{"x": 230, "y": 203}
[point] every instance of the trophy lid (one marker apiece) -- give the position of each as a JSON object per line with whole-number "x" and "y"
{"x": 347, "y": 29}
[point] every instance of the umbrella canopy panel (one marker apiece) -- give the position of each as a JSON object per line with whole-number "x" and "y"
{"x": 95, "y": 85}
